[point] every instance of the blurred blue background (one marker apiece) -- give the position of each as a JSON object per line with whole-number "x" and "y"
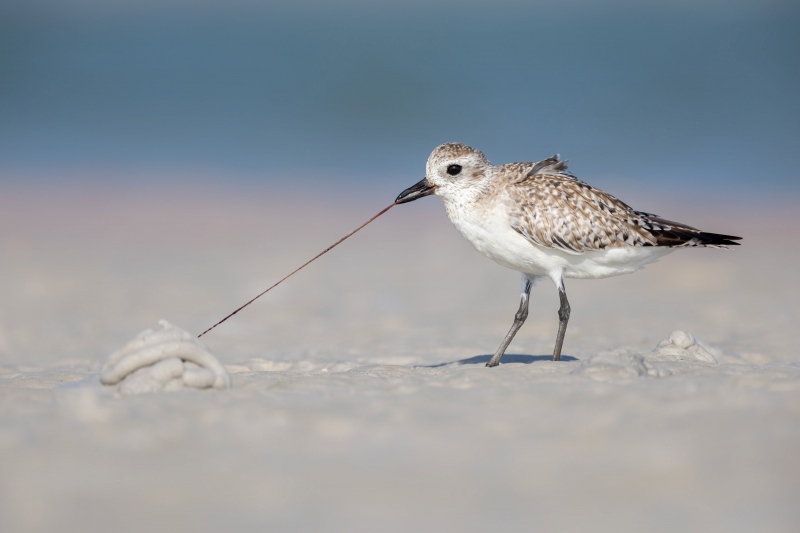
{"x": 702, "y": 94}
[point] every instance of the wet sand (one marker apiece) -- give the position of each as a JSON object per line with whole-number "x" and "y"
{"x": 360, "y": 400}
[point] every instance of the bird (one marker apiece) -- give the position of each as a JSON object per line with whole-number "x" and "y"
{"x": 542, "y": 221}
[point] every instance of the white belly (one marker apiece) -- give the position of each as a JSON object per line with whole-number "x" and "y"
{"x": 496, "y": 239}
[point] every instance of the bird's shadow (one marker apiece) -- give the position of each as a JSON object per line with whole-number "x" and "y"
{"x": 507, "y": 358}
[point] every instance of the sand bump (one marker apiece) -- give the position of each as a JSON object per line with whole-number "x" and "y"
{"x": 164, "y": 359}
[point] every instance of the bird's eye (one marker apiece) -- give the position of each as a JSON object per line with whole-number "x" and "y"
{"x": 454, "y": 169}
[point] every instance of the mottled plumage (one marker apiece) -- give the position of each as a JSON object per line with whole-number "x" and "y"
{"x": 553, "y": 208}
{"x": 542, "y": 221}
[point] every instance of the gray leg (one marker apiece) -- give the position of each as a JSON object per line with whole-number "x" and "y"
{"x": 563, "y": 318}
{"x": 519, "y": 319}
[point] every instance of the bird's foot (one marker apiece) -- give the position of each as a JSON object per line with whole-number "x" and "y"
{"x": 494, "y": 361}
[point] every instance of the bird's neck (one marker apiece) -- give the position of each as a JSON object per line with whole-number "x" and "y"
{"x": 466, "y": 204}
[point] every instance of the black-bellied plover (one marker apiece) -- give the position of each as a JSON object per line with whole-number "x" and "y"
{"x": 540, "y": 220}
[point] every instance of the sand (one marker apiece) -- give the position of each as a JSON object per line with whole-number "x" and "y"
{"x": 359, "y": 397}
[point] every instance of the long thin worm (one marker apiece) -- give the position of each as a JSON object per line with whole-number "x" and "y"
{"x": 323, "y": 252}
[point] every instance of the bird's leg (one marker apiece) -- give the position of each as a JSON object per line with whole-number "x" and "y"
{"x": 563, "y": 318}
{"x": 519, "y": 319}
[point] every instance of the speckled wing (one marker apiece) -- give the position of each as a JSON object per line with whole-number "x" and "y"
{"x": 552, "y": 208}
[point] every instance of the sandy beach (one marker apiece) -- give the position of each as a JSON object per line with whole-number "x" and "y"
{"x": 360, "y": 400}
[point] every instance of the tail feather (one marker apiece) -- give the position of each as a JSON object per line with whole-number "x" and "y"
{"x": 684, "y": 237}
{"x": 670, "y": 233}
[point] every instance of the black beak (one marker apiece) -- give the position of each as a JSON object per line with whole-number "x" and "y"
{"x": 415, "y": 192}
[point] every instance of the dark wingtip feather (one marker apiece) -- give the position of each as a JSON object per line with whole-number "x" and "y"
{"x": 682, "y": 237}
{"x": 715, "y": 239}
{"x": 669, "y": 233}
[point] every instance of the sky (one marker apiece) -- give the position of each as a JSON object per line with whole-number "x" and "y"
{"x": 700, "y": 94}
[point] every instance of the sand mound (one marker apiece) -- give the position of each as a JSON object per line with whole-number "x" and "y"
{"x": 677, "y": 353}
{"x": 164, "y": 359}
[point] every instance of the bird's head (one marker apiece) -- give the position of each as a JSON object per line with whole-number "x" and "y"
{"x": 452, "y": 169}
